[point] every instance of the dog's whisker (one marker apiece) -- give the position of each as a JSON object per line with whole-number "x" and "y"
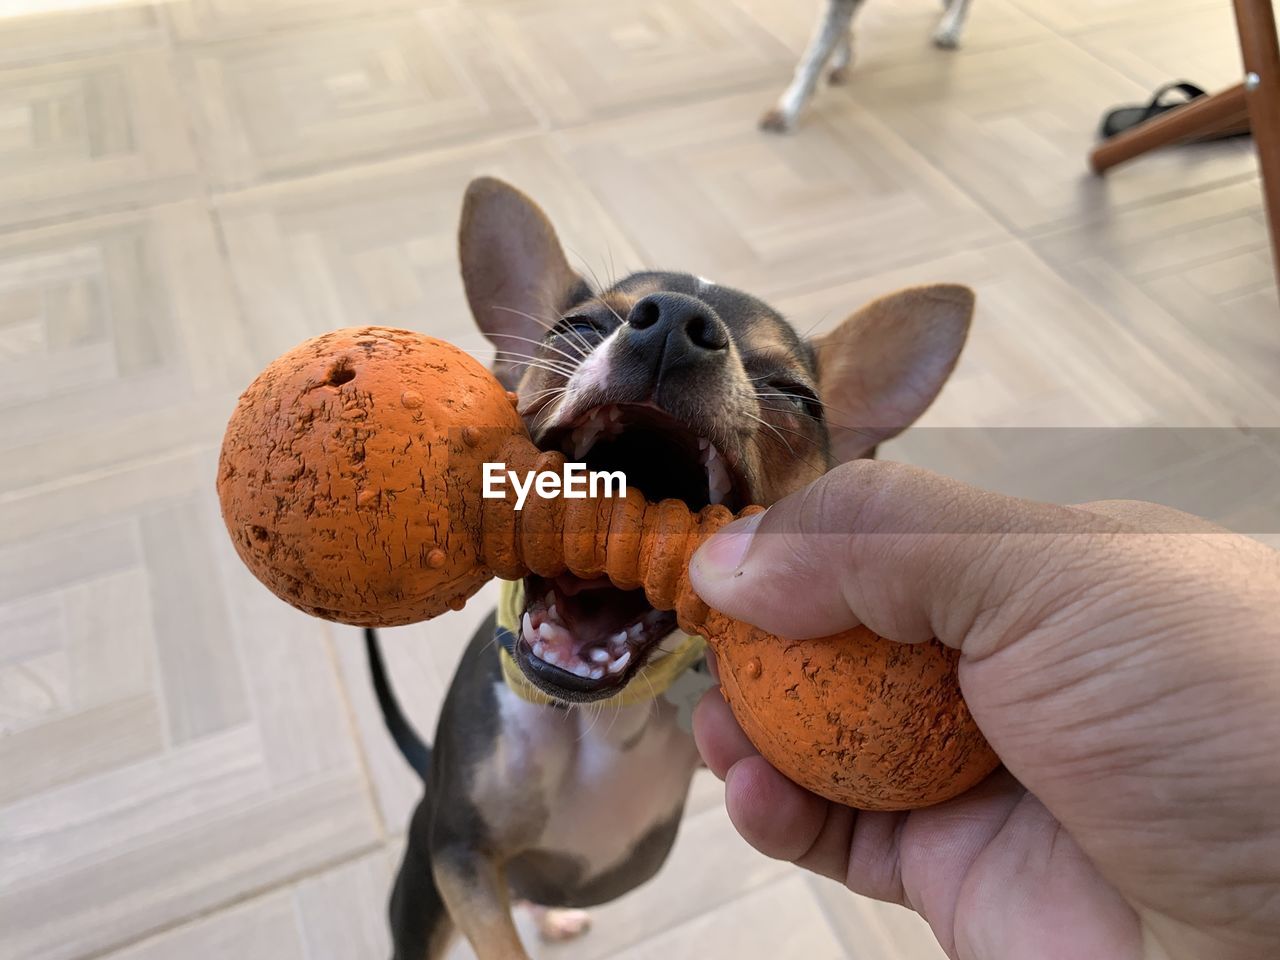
{"x": 613, "y": 271}
{"x": 542, "y": 363}
{"x": 812, "y": 441}
{"x": 587, "y": 266}
{"x": 785, "y": 442}
{"x": 574, "y": 358}
{"x": 860, "y": 431}
{"x": 543, "y": 322}
{"x": 599, "y": 286}
{"x": 814, "y": 326}
{"x": 548, "y": 324}
{"x": 546, "y": 391}
{"x": 608, "y": 306}
{"x": 580, "y": 343}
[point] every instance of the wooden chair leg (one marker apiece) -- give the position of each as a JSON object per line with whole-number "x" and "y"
{"x": 1256, "y": 24}
{"x": 1258, "y": 98}
{"x": 1199, "y": 118}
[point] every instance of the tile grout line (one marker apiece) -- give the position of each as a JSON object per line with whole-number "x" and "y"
{"x": 240, "y": 899}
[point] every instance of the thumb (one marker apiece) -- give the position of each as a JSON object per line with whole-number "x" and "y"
{"x": 908, "y": 553}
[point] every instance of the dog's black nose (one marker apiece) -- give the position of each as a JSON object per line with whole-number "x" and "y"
{"x": 680, "y": 325}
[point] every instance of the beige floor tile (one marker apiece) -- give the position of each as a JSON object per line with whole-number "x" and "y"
{"x": 201, "y": 21}
{"x": 1197, "y": 44}
{"x": 265, "y": 927}
{"x": 699, "y": 189}
{"x": 122, "y": 340}
{"x": 1039, "y": 354}
{"x": 343, "y": 911}
{"x": 1190, "y": 277}
{"x": 296, "y": 102}
{"x": 581, "y": 60}
{"x": 334, "y": 914}
{"x": 781, "y": 920}
{"x": 379, "y": 244}
{"x": 202, "y": 747}
{"x": 93, "y": 133}
{"x": 1007, "y": 128}
{"x": 38, "y": 30}
{"x": 77, "y": 743}
{"x": 217, "y": 852}
{"x": 1069, "y": 17}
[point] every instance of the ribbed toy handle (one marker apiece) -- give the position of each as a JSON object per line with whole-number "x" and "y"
{"x": 635, "y": 543}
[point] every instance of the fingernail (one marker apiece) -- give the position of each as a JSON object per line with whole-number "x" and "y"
{"x": 723, "y": 554}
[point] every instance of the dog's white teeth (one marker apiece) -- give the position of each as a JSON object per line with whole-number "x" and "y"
{"x": 581, "y": 670}
{"x": 553, "y": 613}
{"x": 600, "y": 655}
{"x": 554, "y": 633}
{"x": 635, "y": 630}
{"x": 618, "y": 638}
{"x": 551, "y": 657}
{"x": 597, "y": 673}
{"x": 718, "y": 482}
{"x": 540, "y": 650}
{"x": 526, "y": 626}
{"x": 615, "y": 414}
{"x": 621, "y": 663}
{"x": 584, "y": 438}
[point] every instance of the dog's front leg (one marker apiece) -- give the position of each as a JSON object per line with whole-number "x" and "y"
{"x": 474, "y": 889}
{"x": 833, "y": 28}
{"x": 947, "y": 36}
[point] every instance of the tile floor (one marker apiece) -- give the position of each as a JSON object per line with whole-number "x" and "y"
{"x": 187, "y": 188}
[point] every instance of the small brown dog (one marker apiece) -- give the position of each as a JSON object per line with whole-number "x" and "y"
{"x": 832, "y": 46}
{"x": 695, "y": 391}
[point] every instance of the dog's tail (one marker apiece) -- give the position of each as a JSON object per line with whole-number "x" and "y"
{"x": 412, "y": 747}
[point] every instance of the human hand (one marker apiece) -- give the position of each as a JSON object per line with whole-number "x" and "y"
{"x": 1123, "y": 660}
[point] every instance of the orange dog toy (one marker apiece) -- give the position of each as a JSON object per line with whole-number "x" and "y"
{"x": 351, "y": 480}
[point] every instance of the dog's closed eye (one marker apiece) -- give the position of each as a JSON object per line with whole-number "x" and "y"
{"x": 793, "y": 393}
{"x": 581, "y": 326}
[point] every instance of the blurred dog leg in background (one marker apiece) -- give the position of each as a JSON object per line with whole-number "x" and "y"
{"x": 832, "y": 46}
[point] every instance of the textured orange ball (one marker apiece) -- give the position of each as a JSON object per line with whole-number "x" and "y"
{"x": 854, "y": 718}
{"x": 339, "y": 475}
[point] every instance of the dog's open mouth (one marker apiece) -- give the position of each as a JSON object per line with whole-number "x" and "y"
{"x": 584, "y": 640}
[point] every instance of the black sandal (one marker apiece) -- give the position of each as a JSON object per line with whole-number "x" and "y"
{"x": 1126, "y": 118}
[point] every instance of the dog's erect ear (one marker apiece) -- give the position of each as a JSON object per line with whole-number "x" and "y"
{"x": 882, "y": 367}
{"x": 515, "y": 273}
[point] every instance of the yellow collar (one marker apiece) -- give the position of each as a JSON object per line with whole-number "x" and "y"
{"x": 653, "y": 680}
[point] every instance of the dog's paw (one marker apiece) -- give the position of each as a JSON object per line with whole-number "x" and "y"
{"x": 945, "y": 39}
{"x": 777, "y": 121}
{"x": 555, "y": 924}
